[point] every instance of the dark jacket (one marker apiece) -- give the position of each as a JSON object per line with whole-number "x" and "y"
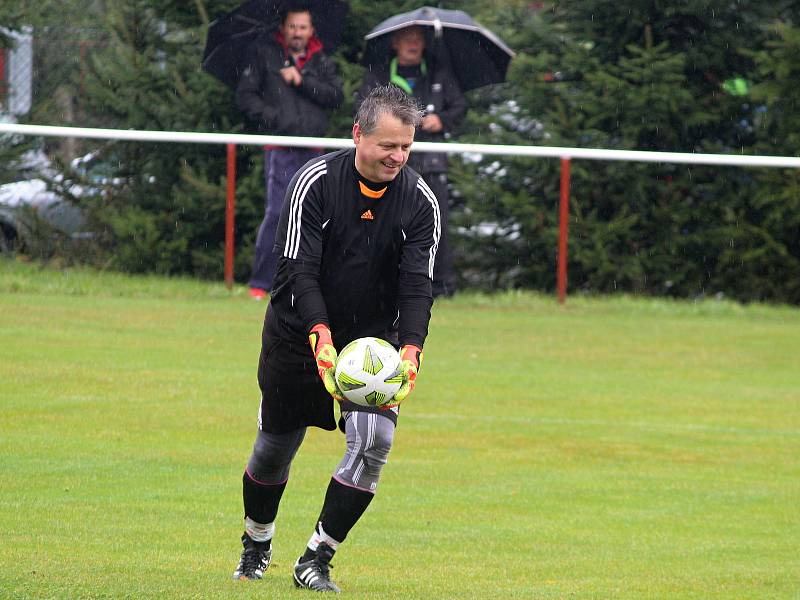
{"x": 273, "y": 107}
{"x": 437, "y": 92}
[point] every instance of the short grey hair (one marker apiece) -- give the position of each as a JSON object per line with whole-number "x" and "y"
{"x": 388, "y": 99}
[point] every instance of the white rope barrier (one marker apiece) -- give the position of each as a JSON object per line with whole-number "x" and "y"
{"x": 737, "y": 160}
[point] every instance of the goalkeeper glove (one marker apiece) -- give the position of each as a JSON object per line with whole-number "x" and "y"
{"x": 325, "y": 354}
{"x": 410, "y": 361}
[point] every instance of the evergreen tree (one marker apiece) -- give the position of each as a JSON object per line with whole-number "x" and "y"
{"x": 694, "y": 76}
{"x": 169, "y": 214}
{"x": 765, "y": 249}
{"x": 629, "y": 76}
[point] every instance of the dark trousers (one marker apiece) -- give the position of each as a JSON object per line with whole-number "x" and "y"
{"x": 280, "y": 165}
{"x": 444, "y": 277}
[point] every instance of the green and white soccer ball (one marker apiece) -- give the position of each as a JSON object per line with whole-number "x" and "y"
{"x": 368, "y": 371}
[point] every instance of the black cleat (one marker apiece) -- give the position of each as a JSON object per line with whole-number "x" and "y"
{"x": 314, "y": 574}
{"x": 254, "y": 560}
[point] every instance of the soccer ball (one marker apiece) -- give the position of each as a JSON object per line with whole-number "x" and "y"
{"x": 368, "y": 371}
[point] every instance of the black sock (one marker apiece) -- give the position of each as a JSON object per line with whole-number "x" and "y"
{"x": 260, "y": 499}
{"x": 308, "y": 555}
{"x": 342, "y": 508}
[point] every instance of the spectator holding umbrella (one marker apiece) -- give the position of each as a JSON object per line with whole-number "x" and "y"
{"x": 429, "y": 79}
{"x": 286, "y": 87}
{"x": 434, "y": 55}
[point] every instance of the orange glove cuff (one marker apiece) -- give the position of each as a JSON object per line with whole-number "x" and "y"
{"x": 320, "y": 335}
{"x": 412, "y": 353}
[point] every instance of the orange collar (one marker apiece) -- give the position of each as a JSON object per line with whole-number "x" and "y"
{"x": 374, "y": 194}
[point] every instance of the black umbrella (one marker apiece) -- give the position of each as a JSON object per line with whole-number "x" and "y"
{"x": 229, "y": 35}
{"x": 477, "y": 56}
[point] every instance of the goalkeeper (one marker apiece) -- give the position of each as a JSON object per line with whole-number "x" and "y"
{"x": 357, "y": 239}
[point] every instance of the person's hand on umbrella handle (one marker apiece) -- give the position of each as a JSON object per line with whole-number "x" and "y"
{"x": 432, "y": 123}
{"x": 291, "y": 76}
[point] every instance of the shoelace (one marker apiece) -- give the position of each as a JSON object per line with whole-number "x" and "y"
{"x": 324, "y": 565}
{"x": 252, "y": 560}
{"x": 325, "y": 568}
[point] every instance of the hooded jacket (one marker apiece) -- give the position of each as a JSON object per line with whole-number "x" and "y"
{"x": 273, "y": 107}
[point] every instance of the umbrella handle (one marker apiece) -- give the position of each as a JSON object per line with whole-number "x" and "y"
{"x": 437, "y": 22}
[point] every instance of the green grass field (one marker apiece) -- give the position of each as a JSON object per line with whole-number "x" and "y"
{"x": 613, "y": 448}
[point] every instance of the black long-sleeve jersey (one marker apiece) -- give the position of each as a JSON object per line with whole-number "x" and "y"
{"x": 359, "y": 264}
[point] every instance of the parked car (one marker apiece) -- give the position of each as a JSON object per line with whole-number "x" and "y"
{"x": 30, "y": 211}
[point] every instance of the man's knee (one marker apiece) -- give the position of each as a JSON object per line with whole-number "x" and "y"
{"x": 272, "y": 455}
{"x": 369, "y": 440}
{"x": 377, "y": 454}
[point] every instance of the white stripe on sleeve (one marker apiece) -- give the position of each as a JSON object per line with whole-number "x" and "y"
{"x": 437, "y": 224}
{"x": 304, "y": 181}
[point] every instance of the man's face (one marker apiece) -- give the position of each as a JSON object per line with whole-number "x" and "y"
{"x": 409, "y": 44}
{"x": 381, "y": 154}
{"x": 297, "y": 30}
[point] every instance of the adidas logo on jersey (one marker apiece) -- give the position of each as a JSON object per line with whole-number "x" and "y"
{"x": 367, "y": 214}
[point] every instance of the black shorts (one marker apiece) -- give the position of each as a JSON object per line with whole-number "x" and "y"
{"x": 292, "y": 394}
